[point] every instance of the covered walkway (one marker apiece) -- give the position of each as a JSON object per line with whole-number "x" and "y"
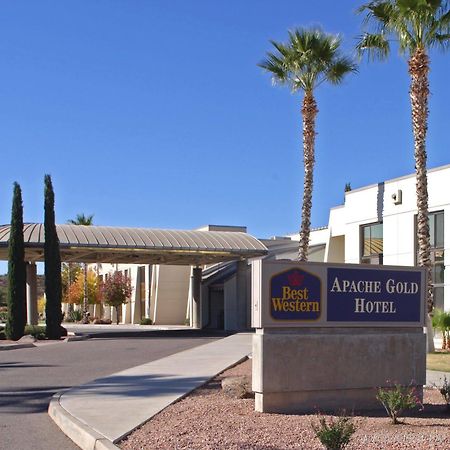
{"x": 122, "y": 245}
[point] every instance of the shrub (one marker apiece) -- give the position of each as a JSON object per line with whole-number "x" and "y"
{"x": 441, "y": 321}
{"x": 445, "y": 392}
{"x": 334, "y": 434}
{"x": 74, "y": 316}
{"x": 98, "y": 321}
{"x": 146, "y": 321}
{"x": 3, "y": 316}
{"x": 398, "y": 399}
{"x": 35, "y": 331}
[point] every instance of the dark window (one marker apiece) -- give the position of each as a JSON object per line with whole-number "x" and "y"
{"x": 436, "y": 223}
{"x": 372, "y": 243}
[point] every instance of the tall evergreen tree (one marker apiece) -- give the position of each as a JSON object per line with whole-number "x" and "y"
{"x": 17, "y": 276}
{"x": 53, "y": 285}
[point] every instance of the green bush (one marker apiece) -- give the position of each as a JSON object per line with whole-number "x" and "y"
{"x": 441, "y": 321}
{"x": 398, "y": 399}
{"x": 35, "y": 331}
{"x": 146, "y": 321}
{"x": 74, "y": 316}
{"x": 445, "y": 392}
{"x": 3, "y": 316}
{"x": 336, "y": 433}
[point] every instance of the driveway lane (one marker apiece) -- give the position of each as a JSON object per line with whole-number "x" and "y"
{"x": 30, "y": 376}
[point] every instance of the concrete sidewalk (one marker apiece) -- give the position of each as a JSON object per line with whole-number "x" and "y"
{"x": 97, "y": 414}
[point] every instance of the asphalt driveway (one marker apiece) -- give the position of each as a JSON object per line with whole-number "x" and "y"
{"x": 30, "y": 376}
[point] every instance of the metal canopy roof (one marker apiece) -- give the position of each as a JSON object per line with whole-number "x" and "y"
{"x": 90, "y": 244}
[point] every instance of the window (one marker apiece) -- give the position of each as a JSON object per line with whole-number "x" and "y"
{"x": 372, "y": 243}
{"x": 436, "y": 223}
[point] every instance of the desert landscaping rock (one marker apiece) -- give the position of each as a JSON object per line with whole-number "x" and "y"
{"x": 237, "y": 387}
{"x": 209, "y": 419}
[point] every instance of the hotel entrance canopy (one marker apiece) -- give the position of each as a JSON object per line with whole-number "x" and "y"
{"x": 91, "y": 244}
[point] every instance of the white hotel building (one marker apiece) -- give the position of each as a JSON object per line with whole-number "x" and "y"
{"x": 375, "y": 225}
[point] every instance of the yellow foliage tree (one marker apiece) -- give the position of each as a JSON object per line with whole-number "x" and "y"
{"x": 75, "y": 292}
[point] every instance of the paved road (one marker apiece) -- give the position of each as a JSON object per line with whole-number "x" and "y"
{"x": 29, "y": 377}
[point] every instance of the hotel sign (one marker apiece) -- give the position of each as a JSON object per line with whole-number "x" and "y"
{"x": 290, "y": 294}
{"x": 295, "y": 295}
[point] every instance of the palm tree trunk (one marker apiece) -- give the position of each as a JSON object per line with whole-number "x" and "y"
{"x": 117, "y": 314}
{"x": 309, "y": 113}
{"x": 70, "y": 305}
{"x": 419, "y": 92}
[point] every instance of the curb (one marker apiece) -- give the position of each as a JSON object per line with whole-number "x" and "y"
{"x": 85, "y": 437}
{"x": 15, "y": 346}
{"x": 38, "y": 344}
{"x": 74, "y": 338}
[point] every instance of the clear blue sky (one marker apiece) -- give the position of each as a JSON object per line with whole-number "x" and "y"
{"x": 154, "y": 113}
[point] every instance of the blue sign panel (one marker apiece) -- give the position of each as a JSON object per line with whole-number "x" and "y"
{"x": 364, "y": 295}
{"x": 295, "y": 295}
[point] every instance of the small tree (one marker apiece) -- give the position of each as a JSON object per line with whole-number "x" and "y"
{"x": 69, "y": 274}
{"x": 75, "y": 292}
{"x": 441, "y": 321}
{"x": 53, "y": 285}
{"x": 116, "y": 290}
{"x": 16, "y": 296}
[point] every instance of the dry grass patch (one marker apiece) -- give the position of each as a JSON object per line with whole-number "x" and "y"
{"x": 439, "y": 361}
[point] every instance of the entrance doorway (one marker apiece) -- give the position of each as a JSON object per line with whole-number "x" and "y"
{"x": 216, "y": 308}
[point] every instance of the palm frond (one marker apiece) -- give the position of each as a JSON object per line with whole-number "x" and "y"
{"x": 306, "y": 58}
{"x": 413, "y": 23}
{"x": 375, "y": 46}
{"x": 341, "y": 67}
{"x": 275, "y": 66}
{"x": 443, "y": 41}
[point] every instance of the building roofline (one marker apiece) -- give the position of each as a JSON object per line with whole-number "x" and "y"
{"x": 392, "y": 180}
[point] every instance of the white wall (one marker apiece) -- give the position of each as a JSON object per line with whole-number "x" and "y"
{"x": 375, "y": 203}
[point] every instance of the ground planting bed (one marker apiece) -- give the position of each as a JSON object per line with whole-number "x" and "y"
{"x": 207, "y": 419}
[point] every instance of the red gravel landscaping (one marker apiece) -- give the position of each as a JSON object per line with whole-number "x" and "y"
{"x": 208, "y": 419}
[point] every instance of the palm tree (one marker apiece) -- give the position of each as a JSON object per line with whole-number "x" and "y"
{"x": 309, "y": 58}
{"x": 81, "y": 219}
{"x": 417, "y": 26}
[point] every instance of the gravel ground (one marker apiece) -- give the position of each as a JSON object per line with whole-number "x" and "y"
{"x": 207, "y": 419}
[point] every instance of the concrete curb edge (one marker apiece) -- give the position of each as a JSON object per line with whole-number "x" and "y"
{"x": 83, "y": 436}
{"x": 75, "y": 337}
{"x": 15, "y": 346}
{"x": 86, "y": 437}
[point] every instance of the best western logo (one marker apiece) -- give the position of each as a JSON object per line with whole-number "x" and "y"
{"x": 295, "y": 295}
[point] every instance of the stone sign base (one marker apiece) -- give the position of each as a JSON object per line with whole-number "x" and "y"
{"x": 306, "y": 370}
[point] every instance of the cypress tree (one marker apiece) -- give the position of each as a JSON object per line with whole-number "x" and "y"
{"x": 53, "y": 285}
{"x": 17, "y": 276}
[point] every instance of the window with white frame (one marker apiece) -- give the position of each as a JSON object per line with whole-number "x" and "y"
{"x": 372, "y": 243}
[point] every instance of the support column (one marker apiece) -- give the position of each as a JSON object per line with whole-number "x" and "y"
{"x": 196, "y": 280}
{"x": 32, "y": 309}
{"x": 241, "y": 296}
{"x": 148, "y": 280}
